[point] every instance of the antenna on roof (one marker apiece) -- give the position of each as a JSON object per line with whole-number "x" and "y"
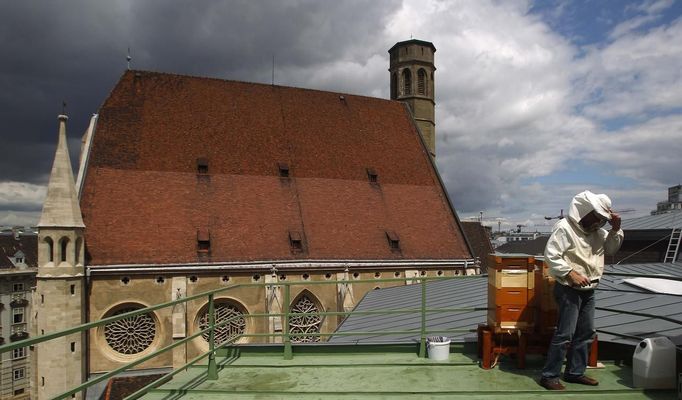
{"x": 273, "y": 69}
{"x": 63, "y": 107}
{"x": 128, "y": 57}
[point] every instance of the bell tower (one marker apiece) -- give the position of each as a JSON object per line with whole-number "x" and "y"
{"x": 59, "y": 301}
{"x": 412, "y": 81}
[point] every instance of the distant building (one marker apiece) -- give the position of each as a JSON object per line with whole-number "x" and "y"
{"x": 516, "y": 236}
{"x": 18, "y": 267}
{"x": 674, "y": 202}
{"x": 533, "y": 247}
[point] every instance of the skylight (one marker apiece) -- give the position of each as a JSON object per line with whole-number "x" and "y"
{"x": 657, "y": 285}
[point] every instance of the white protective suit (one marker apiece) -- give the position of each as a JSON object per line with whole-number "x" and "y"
{"x": 572, "y": 248}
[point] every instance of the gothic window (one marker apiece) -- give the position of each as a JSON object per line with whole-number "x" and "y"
{"x": 224, "y": 310}
{"x": 306, "y": 324}
{"x": 63, "y": 246}
{"x": 394, "y": 86}
{"x": 407, "y": 82}
{"x": 50, "y": 249}
{"x": 131, "y": 335}
{"x": 421, "y": 81}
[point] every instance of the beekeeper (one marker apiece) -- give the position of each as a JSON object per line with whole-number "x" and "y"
{"x": 575, "y": 257}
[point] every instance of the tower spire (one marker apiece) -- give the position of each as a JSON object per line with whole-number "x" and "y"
{"x": 61, "y": 208}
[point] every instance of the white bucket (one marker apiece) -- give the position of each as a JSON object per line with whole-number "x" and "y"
{"x": 438, "y": 348}
{"x": 653, "y": 364}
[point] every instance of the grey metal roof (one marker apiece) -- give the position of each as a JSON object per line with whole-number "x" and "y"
{"x": 471, "y": 291}
{"x": 661, "y": 221}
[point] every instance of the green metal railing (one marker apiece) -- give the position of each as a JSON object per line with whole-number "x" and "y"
{"x": 286, "y": 335}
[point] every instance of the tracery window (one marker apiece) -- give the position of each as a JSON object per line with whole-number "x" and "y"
{"x": 224, "y": 310}
{"x": 131, "y": 335}
{"x": 306, "y": 324}
{"x": 407, "y": 82}
{"x": 421, "y": 82}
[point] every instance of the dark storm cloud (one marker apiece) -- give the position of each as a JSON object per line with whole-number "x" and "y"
{"x": 75, "y": 51}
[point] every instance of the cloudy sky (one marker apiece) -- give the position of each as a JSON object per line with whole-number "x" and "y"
{"x": 536, "y": 100}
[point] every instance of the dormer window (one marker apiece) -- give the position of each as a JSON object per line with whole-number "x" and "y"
{"x": 372, "y": 175}
{"x": 283, "y": 170}
{"x": 393, "y": 240}
{"x": 203, "y": 241}
{"x": 202, "y": 166}
{"x": 295, "y": 241}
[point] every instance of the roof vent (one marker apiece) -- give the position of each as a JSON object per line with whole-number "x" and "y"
{"x": 202, "y": 166}
{"x": 203, "y": 241}
{"x": 393, "y": 240}
{"x": 283, "y": 170}
{"x": 295, "y": 241}
{"x": 372, "y": 175}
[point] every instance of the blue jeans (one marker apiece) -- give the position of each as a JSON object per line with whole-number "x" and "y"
{"x": 573, "y": 335}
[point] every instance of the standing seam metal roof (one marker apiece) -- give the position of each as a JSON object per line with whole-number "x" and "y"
{"x": 471, "y": 291}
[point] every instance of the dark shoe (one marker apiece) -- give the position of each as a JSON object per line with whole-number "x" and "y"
{"x": 583, "y": 380}
{"x": 551, "y": 384}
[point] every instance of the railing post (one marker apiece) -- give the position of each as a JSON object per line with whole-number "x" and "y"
{"x": 288, "y": 353}
{"x": 212, "y": 368}
{"x": 422, "y": 343}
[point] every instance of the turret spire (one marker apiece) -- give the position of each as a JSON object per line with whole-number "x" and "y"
{"x": 61, "y": 208}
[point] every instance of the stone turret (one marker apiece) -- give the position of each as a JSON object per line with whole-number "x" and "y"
{"x": 59, "y": 300}
{"x": 412, "y": 81}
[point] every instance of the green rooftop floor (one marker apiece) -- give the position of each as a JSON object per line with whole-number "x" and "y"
{"x": 265, "y": 374}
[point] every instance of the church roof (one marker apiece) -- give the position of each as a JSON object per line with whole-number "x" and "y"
{"x": 177, "y": 159}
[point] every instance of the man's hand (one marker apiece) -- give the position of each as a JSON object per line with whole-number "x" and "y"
{"x": 615, "y": 221}
{"x": 577, "y": 279}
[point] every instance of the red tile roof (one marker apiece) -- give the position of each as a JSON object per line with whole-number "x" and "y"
{"x": 479, "y": 241}
{"x": 143, "y": 201}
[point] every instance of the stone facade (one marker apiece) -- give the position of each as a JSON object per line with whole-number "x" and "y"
{"x": 15, "y": 324}
{"x": 110, "y": 293}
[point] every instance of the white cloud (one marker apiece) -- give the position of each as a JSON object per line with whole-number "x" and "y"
{"x": 19, "y": 218}
{"x": 20, "y": 203}
{"x": 503, "y": 97}
{"x": 15, "y": 193}
{"x": 648, "y": 152}
{"x": 636, "y": 74}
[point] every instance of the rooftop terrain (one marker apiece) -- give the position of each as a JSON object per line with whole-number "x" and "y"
{"x": 383, "y": 372}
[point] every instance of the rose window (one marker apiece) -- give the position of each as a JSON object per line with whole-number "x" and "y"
{"x": 305, "y": 324}
{"x": 130, "y": 335}
{"x": 224, "y": 311}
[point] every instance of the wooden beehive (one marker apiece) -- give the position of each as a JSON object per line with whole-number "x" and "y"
{"x": 546, "y": 305}
{"x": 511, "y": 292}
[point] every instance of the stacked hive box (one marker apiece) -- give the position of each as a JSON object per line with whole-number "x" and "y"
{"x": 511, "y": 293}
{"x": 546, "y": 305}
